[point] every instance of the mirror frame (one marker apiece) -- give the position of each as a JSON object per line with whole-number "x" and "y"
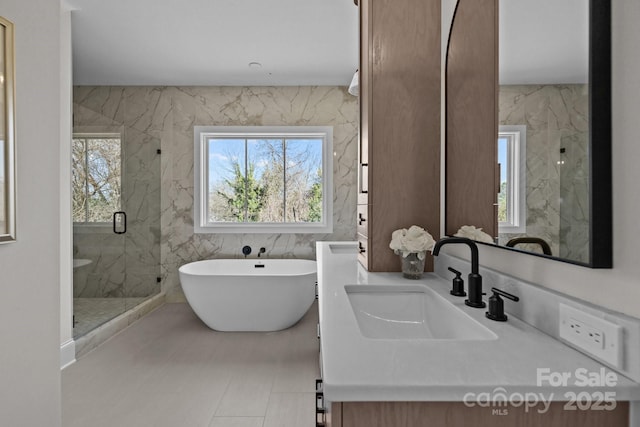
{"x": 600, "y": 127}
{"x": 600, "y": 160}
{"x": 8, "y": 233}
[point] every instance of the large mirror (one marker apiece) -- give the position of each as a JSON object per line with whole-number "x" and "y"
{"x": 7, "y": 142}
{"x": 545, "y": 185}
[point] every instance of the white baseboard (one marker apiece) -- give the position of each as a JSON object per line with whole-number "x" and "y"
{"x": 67, "y": 353}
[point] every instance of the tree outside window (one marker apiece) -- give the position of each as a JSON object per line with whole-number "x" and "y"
{"x": 261, "y": 179}
{"x": 265, "y": 180}
{"x": 96, "y": 178}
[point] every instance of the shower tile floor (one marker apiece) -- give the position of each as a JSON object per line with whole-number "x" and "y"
{"x": 89, "y": 313}
{"x": 169, "y": 369}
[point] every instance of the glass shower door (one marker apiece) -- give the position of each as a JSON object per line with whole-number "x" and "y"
{"x": 141, "y": 202}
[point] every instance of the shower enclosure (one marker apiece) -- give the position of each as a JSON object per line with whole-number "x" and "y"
{"x": 116, "y": 212}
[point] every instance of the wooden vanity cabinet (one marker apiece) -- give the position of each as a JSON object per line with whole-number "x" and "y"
{"x": 456, "y": 414}
{"x": 399, "y": 135}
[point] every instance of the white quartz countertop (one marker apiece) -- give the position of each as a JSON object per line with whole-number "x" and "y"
{"x": 357, "y": 368}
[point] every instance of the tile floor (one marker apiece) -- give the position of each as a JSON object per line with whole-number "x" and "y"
{"x": 169, "y": 369}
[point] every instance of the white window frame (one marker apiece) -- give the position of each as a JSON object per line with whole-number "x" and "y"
{"x": 201, "y": 182}
{"x": 516, "y": 179}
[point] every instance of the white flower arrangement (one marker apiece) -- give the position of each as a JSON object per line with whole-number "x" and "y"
{"x": 473, "y": 233}
{"x": 414, "y": 240}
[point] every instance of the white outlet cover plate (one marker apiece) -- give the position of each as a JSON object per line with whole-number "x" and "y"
{"x": 611, "y": 351}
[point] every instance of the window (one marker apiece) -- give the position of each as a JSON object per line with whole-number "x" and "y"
{"x": 512, "y": 196}
{"x": 96, "y": 177}
{"x": 263, "y": 179}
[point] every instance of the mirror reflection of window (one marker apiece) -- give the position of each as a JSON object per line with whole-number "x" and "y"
{"x": 2, "y": 195}
{"x": 3, "y": 148}
{"x": 7, "y": 135}
{"x": 512, "y": 213}
{"x": 503, "y": 164}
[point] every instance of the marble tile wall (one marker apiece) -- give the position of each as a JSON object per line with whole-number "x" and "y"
{"x": 169, "y": 115}
{"x": 574, "y": 191}
{"x": 556, "y": 117}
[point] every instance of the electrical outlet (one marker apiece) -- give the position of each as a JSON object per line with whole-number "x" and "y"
{"x": 597, "y": 337}
{"x": 589, "y": 335}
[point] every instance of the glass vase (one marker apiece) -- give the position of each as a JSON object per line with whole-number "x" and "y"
{"x": 412, "y": 265}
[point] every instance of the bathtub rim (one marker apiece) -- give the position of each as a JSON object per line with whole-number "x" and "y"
{"x": 188, "y": 268}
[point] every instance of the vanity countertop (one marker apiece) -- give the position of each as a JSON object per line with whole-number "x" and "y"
{"x": 357, "y": 368}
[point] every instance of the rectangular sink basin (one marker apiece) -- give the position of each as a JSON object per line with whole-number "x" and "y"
{"x": 411, "y": 312}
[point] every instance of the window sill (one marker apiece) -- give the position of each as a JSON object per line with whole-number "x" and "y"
{"x": 507, "y": 229}
{"x": 265, "y": 229}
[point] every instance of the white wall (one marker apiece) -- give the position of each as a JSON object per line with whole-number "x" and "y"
{"x": 29, "y": 268}
{"x": 619, "y": 288}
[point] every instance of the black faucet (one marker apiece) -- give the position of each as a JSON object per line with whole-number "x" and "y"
{"x": 261, "y": 251}
{"x": 474, "y": 278}
{"x": 246, "y": 250}
{"x": 496, "y": 305}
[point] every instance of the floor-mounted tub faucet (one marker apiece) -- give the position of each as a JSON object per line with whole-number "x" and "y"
{"x": 475, "y": 280}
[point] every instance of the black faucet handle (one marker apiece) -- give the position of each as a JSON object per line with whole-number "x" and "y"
{"x": 505, "y": 294}
{"x": 458, "y": 284}
{"x": 246, "y": 250}
{"x": 496, "y": 304}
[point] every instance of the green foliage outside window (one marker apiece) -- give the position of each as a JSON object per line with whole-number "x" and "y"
{"x": 282, "y": 181}
{"x": 96, "y": 178}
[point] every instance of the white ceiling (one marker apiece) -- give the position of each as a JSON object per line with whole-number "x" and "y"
{"x": 298, "y": 42}
{"x": 212, "y": 42}
{"x": 544, "y": 41}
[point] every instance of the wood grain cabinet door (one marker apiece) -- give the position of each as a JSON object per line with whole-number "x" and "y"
{"x": 457, "y": 414}
{"x": 400, "y": 91}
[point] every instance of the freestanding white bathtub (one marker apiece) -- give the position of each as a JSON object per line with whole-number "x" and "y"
{"x": 249, "y": 294}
